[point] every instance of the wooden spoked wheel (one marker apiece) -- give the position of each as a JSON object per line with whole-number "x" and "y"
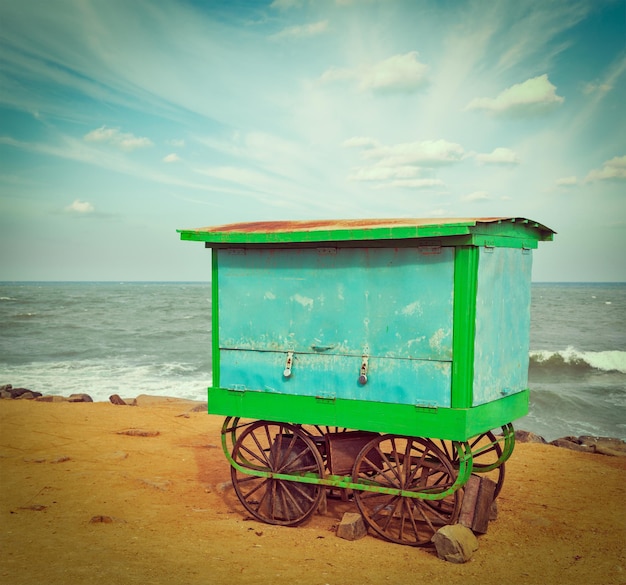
{"x": 489, "y": 452}
{"x": 413, "y": 465}
{"x": 267, "y": 449}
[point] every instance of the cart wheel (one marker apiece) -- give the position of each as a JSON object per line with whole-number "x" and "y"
{"x": 489, "y": 452}
{"x": 412, "y": 464}
{"x": 231, "y": 430}
{"x": 264, "y": 449}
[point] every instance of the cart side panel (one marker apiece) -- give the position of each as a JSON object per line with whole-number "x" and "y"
{"x": 330, "y": 307}
{"x": 502, "y": 338}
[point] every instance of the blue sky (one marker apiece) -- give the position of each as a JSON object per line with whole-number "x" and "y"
{"x": 123, "y": 121}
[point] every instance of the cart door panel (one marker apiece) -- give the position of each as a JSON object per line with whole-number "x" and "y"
{"x": 389, "y": 302}
{"x": 400, "y": 381}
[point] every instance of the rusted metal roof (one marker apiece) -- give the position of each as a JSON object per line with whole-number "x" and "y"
{"x": 326, "y": 230}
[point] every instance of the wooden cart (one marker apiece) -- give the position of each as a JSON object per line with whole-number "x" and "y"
{"x": 375, "y": 356}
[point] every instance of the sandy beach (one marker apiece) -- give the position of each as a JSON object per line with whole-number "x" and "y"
{"x": 82, "y": 502}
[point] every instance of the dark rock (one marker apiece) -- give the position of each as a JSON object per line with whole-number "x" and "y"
{"x": 26, "y": 396}
{"x": 604, "y": 445}
{"x": 80, "y": 398}
{"x": 5, "y": 394}
{"x": 566, "y": 443}
{"x": 528, "y": 437}
{"x": 115, "y": 399}
{"x": 455, "y": 543}
{"x": 19, "y": 392}
{"x": 4, "y": 387}
{"x": 102, "y": 519}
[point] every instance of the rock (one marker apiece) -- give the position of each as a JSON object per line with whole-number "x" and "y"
{"x": 351, "y": 526}
{"x": 80, "y": 398}
{"x": 26, "y": 396}
{"x": 139, "y": 433}
{"x": 528, "y": 437}
{"x": 50, "y": 398}
{"x": 5, "y": 387}
{"x": 102, "y": 519}
{"x": 225, "y": 485}
{"x": 19, "y": 392}
{"x": 455, "y": 543}
{"x": 61, "y": 459}
{"x": 567, "y": 443}
{"x": 202, "y": 407}
{"x": 604, "y": 445}
{"x": 5, "y": 394}
{"x": 158, "y": 483}
{"x": 115, "y": 399}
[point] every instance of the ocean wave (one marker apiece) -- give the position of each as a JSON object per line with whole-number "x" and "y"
{"x": 573, "y": 359}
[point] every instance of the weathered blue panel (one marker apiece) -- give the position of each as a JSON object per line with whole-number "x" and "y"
{"x": 502, "y": 323}
{"x": 394, "y": 302}
{"x": 399, "y": 381}
{"x": 332, "y": 306}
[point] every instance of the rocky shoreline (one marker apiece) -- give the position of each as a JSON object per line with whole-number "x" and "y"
{"x": 610, "y": 446}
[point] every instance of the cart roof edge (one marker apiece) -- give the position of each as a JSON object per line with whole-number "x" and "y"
{"x": 345, "y": 230}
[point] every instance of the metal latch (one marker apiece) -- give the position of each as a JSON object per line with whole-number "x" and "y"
{"x": 288, "y": 364}
{"x": 363, "y": 374}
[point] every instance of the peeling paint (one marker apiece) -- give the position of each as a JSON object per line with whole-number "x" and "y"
{"x": 306, "y": 302}
{"x": 414, "y": 308}
{"x": 437, "y": 338}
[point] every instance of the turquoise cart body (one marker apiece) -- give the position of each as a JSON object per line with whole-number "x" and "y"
{"x": 409, "y": 326}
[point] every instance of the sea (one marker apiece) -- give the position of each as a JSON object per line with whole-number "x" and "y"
{"x": 131, "y": 338}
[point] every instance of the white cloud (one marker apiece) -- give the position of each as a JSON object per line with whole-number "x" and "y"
{"x": 612, "y": 170}
{"x": 532, "y": 97}
{"x": 427, "y": 153}
{"x": 122, "y": 140}
{"x": 80, "y": 207}
{"x": 303, "y": 31}
{"x": 359, "y": 141}
{"x": 567, "y": 181}
{"x": 397, "y": 74}
{"x": 417, "y": 183}
{"x": 171, "y": 158}
{"x": 499, "y": 156}
{"x": 476, "y": 196}
{"x": 383, "y": 173}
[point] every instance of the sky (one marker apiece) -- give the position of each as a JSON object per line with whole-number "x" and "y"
{"x": 121, "y": 122}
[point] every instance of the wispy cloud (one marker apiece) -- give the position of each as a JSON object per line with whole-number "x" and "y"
{"x": 611, "y": 170}
{"x": 398, "y": 74}
{"x": 570, "y": 181}
{"x": 115, "y": 137}
{"x": 171, "y": 158}
{"x": 80, "y": 207}
{"x": 476, "y": 196}
{"x": 499, "y": 156}
{"x": 533, "y": 97}
{"x": 302, "y": 30}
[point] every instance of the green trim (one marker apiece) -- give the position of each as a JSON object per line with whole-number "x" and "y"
{"x": 457, "y": 424}
{"x": 215, "y": 320}
{"x": 465, "y": 285}
{"x": 506, "y": 232}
